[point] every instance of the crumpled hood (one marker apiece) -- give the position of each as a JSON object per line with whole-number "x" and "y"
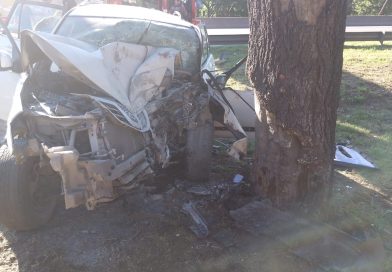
{"x": 130, "y": 73}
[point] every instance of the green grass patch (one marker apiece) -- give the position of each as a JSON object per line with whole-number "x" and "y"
{"x": 226, "y": 57}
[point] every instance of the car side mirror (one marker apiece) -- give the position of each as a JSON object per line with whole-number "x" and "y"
{"x": 5, "y": 61}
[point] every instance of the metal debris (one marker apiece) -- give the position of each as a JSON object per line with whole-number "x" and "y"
{"x": 200, "y": 227}
{"x": 200, "y": 190}
{"x": 345, "y": 156}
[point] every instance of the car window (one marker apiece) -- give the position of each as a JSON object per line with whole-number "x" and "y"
{"x": 101, "y": 31}
{"x": 13, "y": 22}
{"x": 182, "y": 38}
{"x": 33, "y": 17}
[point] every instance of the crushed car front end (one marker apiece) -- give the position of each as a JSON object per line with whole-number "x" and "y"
{"x": 98, "y": 145}
{"x": 103, "y": 103}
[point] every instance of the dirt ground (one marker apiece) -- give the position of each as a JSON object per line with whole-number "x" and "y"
{"x": 146, "y": 230}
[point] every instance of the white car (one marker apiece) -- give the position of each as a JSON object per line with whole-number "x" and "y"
{"x": 31, "y": 15}
{"x": 116, "y": 94}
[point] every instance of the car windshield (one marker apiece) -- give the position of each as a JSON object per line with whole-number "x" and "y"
{"x": 34, "y": 17}
{"x": 101, "y": 31}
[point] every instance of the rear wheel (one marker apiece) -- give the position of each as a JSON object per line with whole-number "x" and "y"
{"x": 199, "y": 148}
{"x": 28, "y": 193}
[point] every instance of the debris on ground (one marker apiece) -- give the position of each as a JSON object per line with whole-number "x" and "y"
{"x": 200, "y": 227}
{"x": 238, "y": 179}
{"x": 348, "y": 157}
{"x": 200, "y": 190}
{"x": 155, "y": 208}
{"x": 149, "y": 232}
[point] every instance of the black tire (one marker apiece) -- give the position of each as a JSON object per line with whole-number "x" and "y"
{"x": 199, "y": 149}
{"x": 20, "y": 208}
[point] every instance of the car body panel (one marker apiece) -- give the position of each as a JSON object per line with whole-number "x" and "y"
{"x": 119, "y": 11}
{"x": 103, "y": 115}
{"x": 9, "y": 79}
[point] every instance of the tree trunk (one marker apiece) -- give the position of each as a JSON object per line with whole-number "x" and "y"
{"x": 295, "y": 64}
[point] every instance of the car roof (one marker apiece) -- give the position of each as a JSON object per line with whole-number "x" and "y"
{"x": 128, "y": 12}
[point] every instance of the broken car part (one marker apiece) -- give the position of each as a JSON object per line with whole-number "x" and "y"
{"x": 114, "y": 101}
{"x": 200, "y": 227}
{"x": 348, "y": 157}
{"x": 71, "y": 114}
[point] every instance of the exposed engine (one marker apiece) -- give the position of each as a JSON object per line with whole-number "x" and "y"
{"x": 98, "y": 146}
{"x": 104, "y": 118}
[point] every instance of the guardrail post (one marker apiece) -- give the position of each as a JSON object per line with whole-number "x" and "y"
{"x": 382, "y": 36}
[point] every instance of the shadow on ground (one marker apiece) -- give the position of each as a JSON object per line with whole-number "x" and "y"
{"x": 144, "y": 232}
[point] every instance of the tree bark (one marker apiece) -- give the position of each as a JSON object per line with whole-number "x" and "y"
{"x": 295, "y": 64}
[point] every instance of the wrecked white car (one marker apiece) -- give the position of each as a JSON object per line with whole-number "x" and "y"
{"x": 116, "y": 94}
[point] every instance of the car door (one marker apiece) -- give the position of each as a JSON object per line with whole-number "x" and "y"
{"x": 8, "y": 77}
{"x": 24, "y": 15}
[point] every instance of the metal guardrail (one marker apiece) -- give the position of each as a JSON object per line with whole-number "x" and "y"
{"x": 235, "y": 30}
{"x": 384, "y": 20}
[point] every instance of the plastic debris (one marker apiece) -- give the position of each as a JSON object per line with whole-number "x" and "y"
{"x": 345, "y": 156}
{"x": 238, "y": 179}
{"x": 200, "y": 228}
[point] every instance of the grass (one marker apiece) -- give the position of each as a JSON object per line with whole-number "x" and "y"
{"x": 361, "y": 198}
{"x": 364, "y": 121}
{"x": 226, "y": 57}
{"x": 365, "y": 113}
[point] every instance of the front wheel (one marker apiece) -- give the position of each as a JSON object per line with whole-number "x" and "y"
{"x": 28, "y": 193}
{"x": 199, "y": 148}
